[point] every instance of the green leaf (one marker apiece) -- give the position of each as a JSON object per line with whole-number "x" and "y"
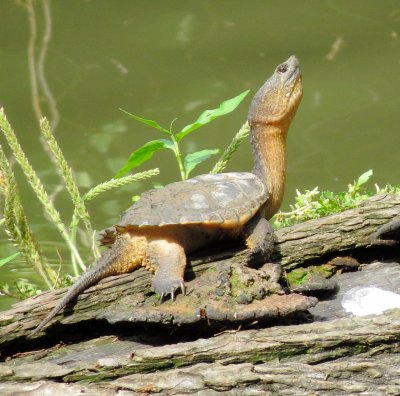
{"x": 194, "y": 159}
{"x": 143, "y": 154}
{"x": 364, "y": 177}
{"x": 151, "y": 123}
{"x": 8, "y": 259}
{"x": 207, "y": 116}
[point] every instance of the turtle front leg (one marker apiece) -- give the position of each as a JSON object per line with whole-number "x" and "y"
{"x": 169, "y": 262}
{"x": 259, "y": 238}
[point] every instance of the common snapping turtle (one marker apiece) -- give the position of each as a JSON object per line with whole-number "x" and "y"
{"x": 166, "y": 224}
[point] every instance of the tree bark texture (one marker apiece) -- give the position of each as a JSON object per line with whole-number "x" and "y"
{"x": 348, "y": 355}
{"x": 343, "y": 356}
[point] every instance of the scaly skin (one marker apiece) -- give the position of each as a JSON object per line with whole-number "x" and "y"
{"x": 163, "y": 250}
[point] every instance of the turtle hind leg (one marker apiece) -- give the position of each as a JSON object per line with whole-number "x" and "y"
{"x": 168, "y": 259}
{"x": 259, "y": 237}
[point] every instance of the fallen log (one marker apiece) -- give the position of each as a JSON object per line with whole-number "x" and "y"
{"x": 114, "y": 298}
{"x": 341, "y": 232}
{"x": 326, "y": 355}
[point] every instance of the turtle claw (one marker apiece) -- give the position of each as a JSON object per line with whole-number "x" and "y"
{"x": 182, "y": 287}
{"x": 163, "y": 287}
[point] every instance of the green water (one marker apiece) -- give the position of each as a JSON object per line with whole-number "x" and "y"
{"x": 167, "y": 59}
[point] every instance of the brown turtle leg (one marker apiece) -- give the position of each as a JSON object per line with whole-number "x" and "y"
{"x": 259, "y": 237}
{"x": 169, "y": 261}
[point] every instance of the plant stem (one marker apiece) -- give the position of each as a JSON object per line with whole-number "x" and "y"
{"x": 178, "y": 156}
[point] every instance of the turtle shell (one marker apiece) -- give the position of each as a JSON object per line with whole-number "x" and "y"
{"x": 217, "y": 200}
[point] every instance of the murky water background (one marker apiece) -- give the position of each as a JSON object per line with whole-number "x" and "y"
{"x": 168, "y": 59}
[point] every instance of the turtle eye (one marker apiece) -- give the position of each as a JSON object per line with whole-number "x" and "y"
{"x": 282, "y": 68}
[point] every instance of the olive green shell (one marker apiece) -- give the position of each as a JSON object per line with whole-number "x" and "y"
{"x": 218, "y": 200}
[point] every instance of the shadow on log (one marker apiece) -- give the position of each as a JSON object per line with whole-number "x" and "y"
{"x": 340, "y": 355}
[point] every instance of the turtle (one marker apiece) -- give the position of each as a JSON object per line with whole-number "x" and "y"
{"x": 164, "y": 225}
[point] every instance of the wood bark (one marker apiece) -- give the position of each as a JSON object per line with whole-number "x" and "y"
{"x": 342, "y": 356}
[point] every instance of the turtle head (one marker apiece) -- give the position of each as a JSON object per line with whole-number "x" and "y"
{"x": 277, "y": 100}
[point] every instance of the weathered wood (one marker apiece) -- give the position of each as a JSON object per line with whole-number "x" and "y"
{"x": 344, "y": 231}
{"x": 335, "y": 357}
{"x": 295, "y": 246}
{"x": 341, "y": 356}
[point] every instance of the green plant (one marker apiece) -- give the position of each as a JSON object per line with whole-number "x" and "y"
{"x": 6, "y": 260}
{"x": 22, "y": 289}
{"x": 16, "y": 224}
{"x": 37, "y": 185}
{"x": 312, "y": 204}
{"x": 191, "y": 160}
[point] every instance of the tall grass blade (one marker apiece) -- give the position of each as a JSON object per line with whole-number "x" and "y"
{"x": 237, "y": 140}
{"x": 122, "y": 181}
{"x": 16, "y": 224}
{"x": 37, "y": 186}
{"x": 66, "y": 173}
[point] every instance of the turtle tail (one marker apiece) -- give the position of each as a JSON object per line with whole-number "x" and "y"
{"x": 103, "y": 268}
{"x": 87, "y": 279}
